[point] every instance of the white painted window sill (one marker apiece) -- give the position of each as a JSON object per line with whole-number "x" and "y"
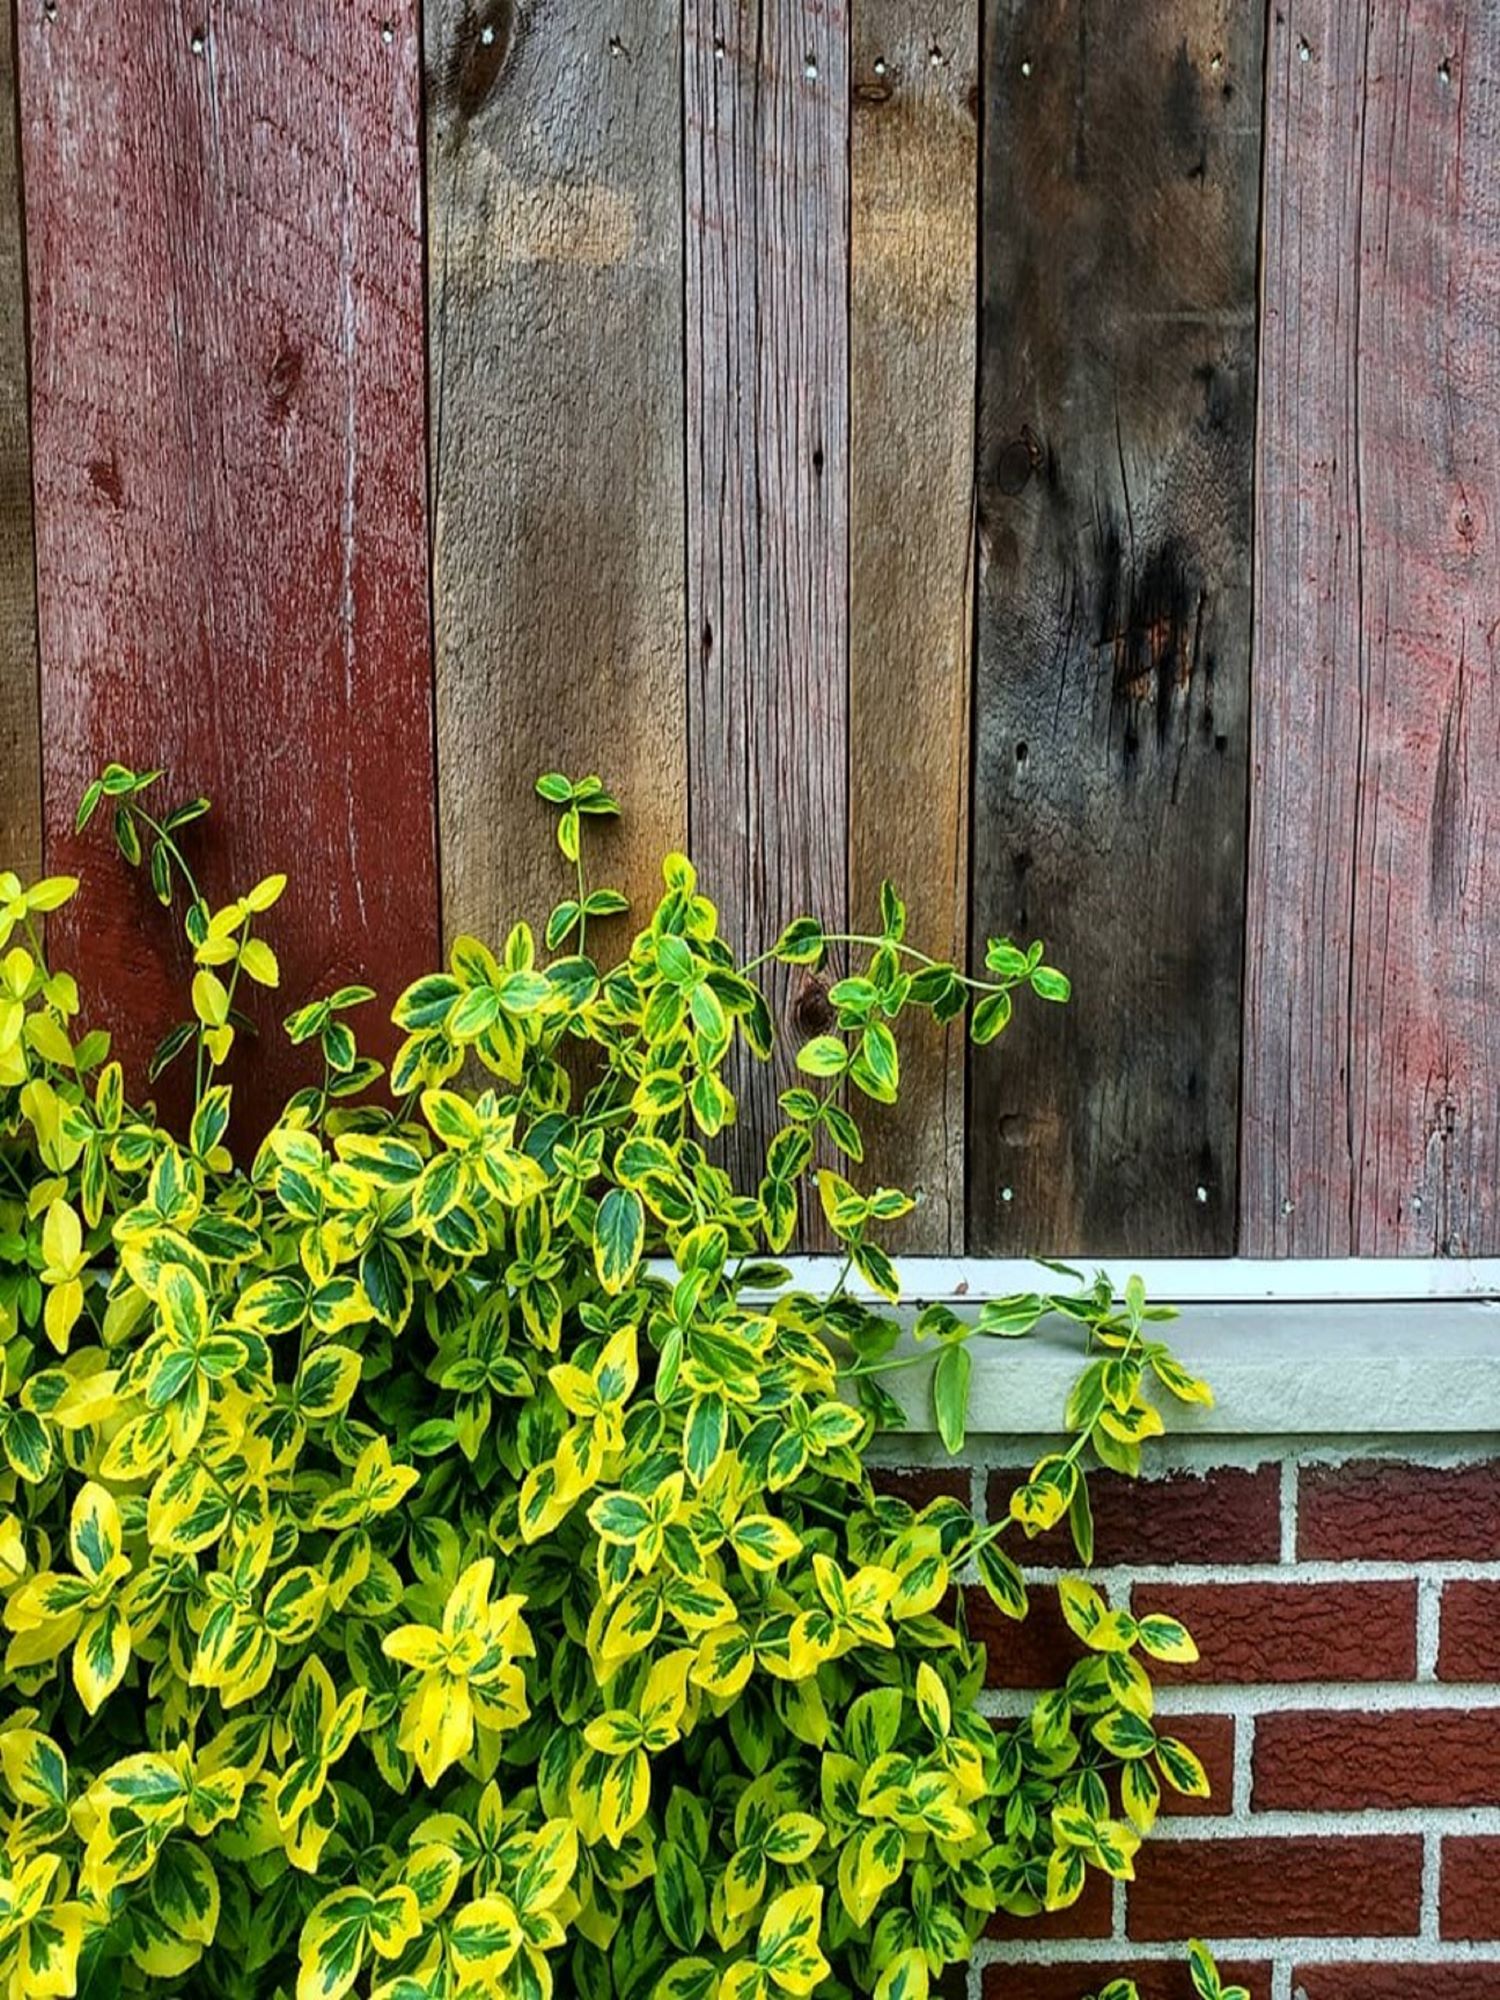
{"x": 1402, "y": 1368}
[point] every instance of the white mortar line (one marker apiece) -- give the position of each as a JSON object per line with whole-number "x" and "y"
{"x": 1289, "y": 1510}
{"x": 1281, "y": 1980}
{"x": 1006, "y": 1704}
{"x": 1429, "y": 1615}
{"x": 1361, "y": 1822}
{"x": 1244, "y": 1765}
{"x": 1431, "y": 1923}
{"x": 1189, "y": 1454}
{"x": 1117, "y": 1911}
{"x": 1459, "y": 1570}
{"x": 1412, "y": 1950}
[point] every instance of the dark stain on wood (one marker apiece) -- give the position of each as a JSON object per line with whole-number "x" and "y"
{"x": 1115, "y": 433}
{"x": 483, "y": 41}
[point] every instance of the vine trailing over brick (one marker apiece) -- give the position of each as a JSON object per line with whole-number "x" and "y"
{"x": 438, "y": 1554}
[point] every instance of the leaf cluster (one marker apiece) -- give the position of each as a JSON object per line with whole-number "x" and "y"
{"x": 438, "y": 1553}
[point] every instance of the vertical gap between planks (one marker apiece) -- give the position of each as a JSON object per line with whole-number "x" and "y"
{"x": 1255, "y": 555}
{"x": 973, "y": 932}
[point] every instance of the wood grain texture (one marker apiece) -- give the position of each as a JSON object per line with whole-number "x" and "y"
{"x": 1120, "y": 197}
{"x": 1372, "y": 1074}
{"x": 912, "y": 310}
{"x": 223, "y": 233}
{"x": 555, "y": 254}
{"x": 20, "y": 746}
{"x": 766, "y": 100}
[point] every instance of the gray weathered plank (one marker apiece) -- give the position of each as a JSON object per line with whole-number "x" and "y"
{"x": 555, "y": 308}
{"x": 20, "y": 745}
{"x": 766, "y": 104}
{"x": 1117, "y": 417}
{"x": 1372, "y": 1078}
{"x": 913, "y": 273}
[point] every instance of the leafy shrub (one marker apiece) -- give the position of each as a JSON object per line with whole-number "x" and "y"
{"x": 440, "y": 1558}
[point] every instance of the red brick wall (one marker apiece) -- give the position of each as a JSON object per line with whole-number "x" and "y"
{"x": 1346, "y": 1705}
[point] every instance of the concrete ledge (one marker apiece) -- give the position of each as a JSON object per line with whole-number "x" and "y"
{"x": 1310, "y": 1370}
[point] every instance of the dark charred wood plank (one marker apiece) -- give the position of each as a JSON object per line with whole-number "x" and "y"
{"x": 1372, "y": 1056}
{"x": 913, "y": 277}
{"x": 1120, "y": 195}
{"x": 555, "y": 258}
{"x": 225, "y": 265}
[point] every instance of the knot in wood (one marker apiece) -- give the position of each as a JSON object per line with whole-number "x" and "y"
{"x": 812, "y": 1010}
{"x": 1016, "y": 461}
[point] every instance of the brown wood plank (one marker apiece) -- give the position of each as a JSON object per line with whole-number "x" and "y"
{"x": 1372, "y": 1079}
{"x": 555, "y": 254}
{"x": 766, "y": 105}
{"x": 1122, "y": 150}
{"x": 225, "y": 264}
{"x": 20, "y": 747}
{"x": 913, "y": 273}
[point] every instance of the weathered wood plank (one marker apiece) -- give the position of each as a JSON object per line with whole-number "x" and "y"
{"x": 913, "y": 274}
{"x": 1116, "y": 426}
{"x": 20, "y": 747}
{"x": 555, "y": 253}
{"x": 766, "y": 103}
{"x": 225, "y": 261}
{"x": 1372, "y": 1079}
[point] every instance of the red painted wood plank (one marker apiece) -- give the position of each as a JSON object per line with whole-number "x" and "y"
{"x": 1372, "y": 1074}
{"x": 225, "y": 262}
{"x": 20, "y": 749}
{"x": 766, "y": 105}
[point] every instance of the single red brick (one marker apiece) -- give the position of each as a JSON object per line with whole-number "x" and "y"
{"x": 1092, "y": 1916}
{"x": 1156, "y": 1979}
{"x": 1469, "y": 1634}
{"x": 1396, "y": 1982}
{"x": 918, "y": 1485}
{"x": 1031, "y": 1652}
{"x": 1307, "y": 1886}
{"x": 1222, "y": 1516}
{"x": 1250, "y": 1632}
{"x": 1211, "y": 1737}
{"x": 1340, "y": 1760}
{"x": 1469, "y": 1889}
{"x": 1390, "y": 1512}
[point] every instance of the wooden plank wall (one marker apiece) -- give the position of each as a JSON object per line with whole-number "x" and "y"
{"x": 225, "y": 259}
{"x": 1000, "y": 446}
{"x": 1372, "y": 1021}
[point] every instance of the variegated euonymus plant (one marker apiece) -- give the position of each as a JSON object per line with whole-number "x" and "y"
{"x": 438, "y": 1555}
